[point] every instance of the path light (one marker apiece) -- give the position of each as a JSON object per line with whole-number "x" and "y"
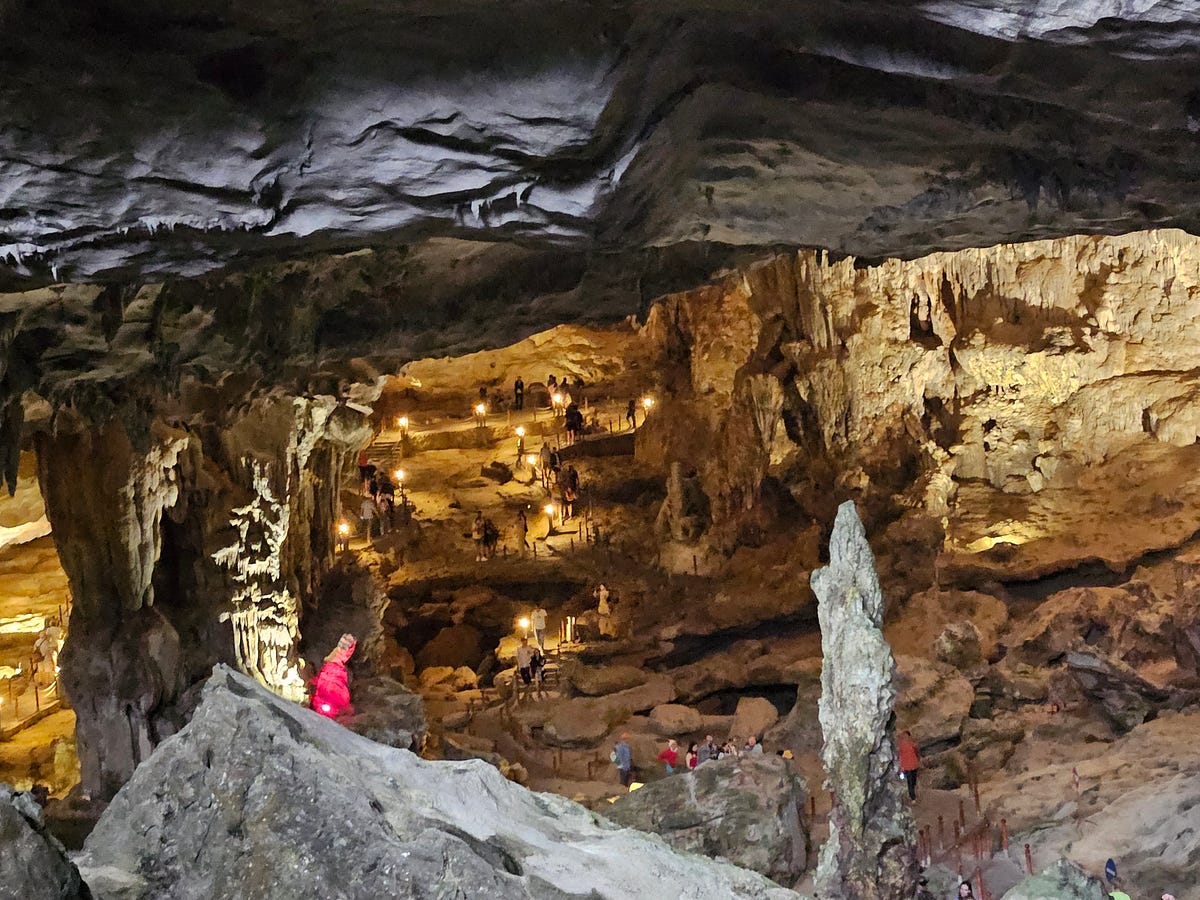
{"x": 520, "y": 431}
{"x": 549, "y": 509}
{"x": 531, "y": 459}
{"x": 480, "y": 409}
{"x": 647, "y": 402}
{"x": 556, "y": 399}
{"x": 343, "y": 528}
{"x": 523, "y": 624}
{"x": 399, "y": 476}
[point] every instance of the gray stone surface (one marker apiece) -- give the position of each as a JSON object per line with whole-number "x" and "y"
{"x": 1060, "y": 881}
{"x": 33, "y": 865}
{"x": 870, "y": 853}
{"x": 749, "y": 811}
{"x": 259, "y": 798}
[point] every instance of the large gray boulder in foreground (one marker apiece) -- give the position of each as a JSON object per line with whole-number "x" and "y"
{"x": 259, "y": 798}
{"x": 749, "y": 811}
{"x": 33, "y": 865}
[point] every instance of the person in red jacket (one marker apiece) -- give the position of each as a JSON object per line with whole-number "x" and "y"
{"x": 670, "y": 756}
{"x": 910, "y": 762}
{"x": 331, "y": 690}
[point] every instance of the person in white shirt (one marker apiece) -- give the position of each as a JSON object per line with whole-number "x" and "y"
{"x": 604, "y": 612}
{"x": 537, "y": 619}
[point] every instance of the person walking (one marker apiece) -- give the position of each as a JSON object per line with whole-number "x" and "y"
{"x": 537, "y": 619}
{"x": 631, "y": 416}
{"x": 669, "y": 756}
{"x": 910, "y": 762}
{"x": 519, "y": 393}
{"x": 367, "y": 514}
{"x": 622, "y": 756}
{"x": 524, "y": 670}
{"x": 331, "y": 691}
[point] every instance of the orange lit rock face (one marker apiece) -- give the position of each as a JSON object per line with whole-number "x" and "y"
{"x": 1027, "y": 376}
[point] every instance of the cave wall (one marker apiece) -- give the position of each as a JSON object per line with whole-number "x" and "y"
{"x": 1016, "y": 366}
{"x": 184, "y": 548}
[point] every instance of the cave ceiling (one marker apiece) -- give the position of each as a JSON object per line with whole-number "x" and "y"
{"x": 141, "y": 140}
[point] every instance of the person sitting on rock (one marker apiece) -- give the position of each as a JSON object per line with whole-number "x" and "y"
{"x": 669, "y": 756}
{"x": 708, "y": 750}
{"x": 965, "y": 892}
{"x": 690, "y": 758}
{"x": 331, "y": 691}
{"x": 729, "y": 748}
{"x": 752, "y": 746}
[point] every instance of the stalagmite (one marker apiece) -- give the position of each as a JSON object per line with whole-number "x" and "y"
{"x": 870, "y": 853}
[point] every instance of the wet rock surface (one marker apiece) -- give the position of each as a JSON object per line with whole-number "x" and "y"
{"x": 258, "y": 797}
{"x": 749, "y": 811}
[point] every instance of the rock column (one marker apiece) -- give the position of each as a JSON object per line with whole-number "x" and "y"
{"x": 870, "y": 853}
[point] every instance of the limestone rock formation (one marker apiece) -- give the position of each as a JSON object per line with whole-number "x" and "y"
{"x": 1061, "y": 881}
{"x": 33, "y": 865}
{"x": 258, "y": 798}
{"x": 749, "y": 811}
{"x": 753, "y": 716}
{"x": 870, "y": 853}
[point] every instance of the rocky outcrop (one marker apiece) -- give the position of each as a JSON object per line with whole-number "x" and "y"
{"x": 1061, "y": 881}
{"x": 259, "y": 798}
{"x": 749, "y": 811}
{"x": 870, "y": 853}
{"x": 1030, "y": 377}
{"x": 33, "y": 865}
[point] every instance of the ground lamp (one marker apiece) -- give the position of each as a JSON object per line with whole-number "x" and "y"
{"x": 523, "y": 623}
{"x": 556, "y": 400}
{"x": 343, "y": 530}
{"x": 480, "y": 412}
{"x": 549, "y": 511}
{"x": 402, "y": 424}
{"x": 400, "y": 484}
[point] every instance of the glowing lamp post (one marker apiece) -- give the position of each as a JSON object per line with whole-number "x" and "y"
{"x": 343, "y": 531}
{"x": 549, "y": 511}
{"x": 523, "y": 624}
{"x": 556, "y": 402}
{"x": 402, "y": 424}
{"x": 480, "y": 413}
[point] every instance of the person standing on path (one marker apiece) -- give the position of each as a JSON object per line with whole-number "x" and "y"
{"x": 604, "y": 612}
{"x": 910, "y": 762}
{"x": 537, "y": 619}
{"x": 623, "y": 757}
{"x": 519, "y": 393}
{"x": 477, "y": 534}
{"x": 524, "y": 671}
{"x": 523, "y": 529}
{"x": 669, "y": 756}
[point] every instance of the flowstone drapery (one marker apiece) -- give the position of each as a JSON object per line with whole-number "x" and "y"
{"x": 870, "y": 853}
{"x": 265, "y": 614}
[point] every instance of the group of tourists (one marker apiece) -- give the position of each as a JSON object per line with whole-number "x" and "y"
{"x": 377, "y": 511}
{"x": 531, "y": 670}
{"x": 696, "y": 755}
{"x": 486, "y": 537}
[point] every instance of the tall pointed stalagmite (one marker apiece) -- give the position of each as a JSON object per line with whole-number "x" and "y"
{"x": 870, "y": 853}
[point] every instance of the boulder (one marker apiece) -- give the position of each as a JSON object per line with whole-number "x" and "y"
{"x": 675, "y": 720}
{"x": 934, "y": 702}
{"x": 585, "y": 721}
{"x": 33, "y": 865}
{"x": 749, "y": 811}
{"x": 448, "y": 679}
{"x": 258, "y": 798}
{"x": 387, "y": 712}
{"x": 596, "y": 681}
{"x": 497, "y": 471}
{"x": 1124, "y": 697}
{"x": 800, "y": 730}
{"x": 1060, "y": 881}
{"x": 753, "y": 716}
{"x": 455, "y": 645}
{"x": 959, "y": 645}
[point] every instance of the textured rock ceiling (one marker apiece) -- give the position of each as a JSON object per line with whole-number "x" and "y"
{"x": 175, "y": 137}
